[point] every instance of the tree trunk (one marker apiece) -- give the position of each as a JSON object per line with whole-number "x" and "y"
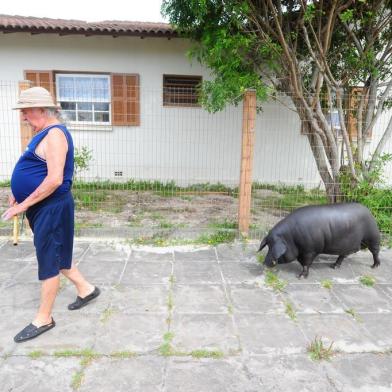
{"x": 331, "y": 183}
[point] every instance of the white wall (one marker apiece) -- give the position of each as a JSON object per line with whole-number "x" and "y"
{"x": 186, "y": 145}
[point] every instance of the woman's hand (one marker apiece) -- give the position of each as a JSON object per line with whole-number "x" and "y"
{"x": 12, "y": 211}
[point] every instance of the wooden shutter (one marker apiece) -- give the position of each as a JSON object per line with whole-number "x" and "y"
{"x": 354, "y": 98}
{"x": 42, "y": 79}
{"x": 125, "y": 99}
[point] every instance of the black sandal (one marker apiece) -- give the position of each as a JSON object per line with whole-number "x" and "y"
{"x": 32, "y": 331}
{"x": 80, "y": 302}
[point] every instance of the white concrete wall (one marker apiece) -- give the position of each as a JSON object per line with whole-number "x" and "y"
{"x": 187, "y": 145}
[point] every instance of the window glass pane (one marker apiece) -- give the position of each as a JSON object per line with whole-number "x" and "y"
{"x": 85, "y": 116}
{"x": 83, "y": 88}
{"x": 69, "y": 115}
{"x": 65, "y": 85}
{"x": 68, "y": 105}
{"x": 101, "y": 117}
{"x": 100, "y": 89}
{"x": 101, "y": 106}
{"x": 85, "y": 106}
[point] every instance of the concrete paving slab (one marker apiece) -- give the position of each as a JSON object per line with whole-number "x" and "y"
{"x": 79, "y": 249}
{"x": 382, "y": 274}
{"x": 200, "y": 299}
{"x": 141, "y": 333}
{"x": 387, "y": 289}
{"x": 195, "y": 273}
{"x": 360, "y": 373}
{"x": 208, "y": 375}
{"x": 29, "y": 274}
{"x": 312, "y": 298}
{"x": 68, "y": 295}
{"x": 146, "y": 273}
{"x": 10, "y": 269}
{"x": 203, "y": 332}
{"x": 131, "y": 375}
{"x": 73, "y": 331}
{"x": 269, "y": 334}
{"x": 243, "y": 272}
{"x": 20, "y": 296}
{"x": 289, "y": 373}
{"x": 98, "y": 252}
{"x": 289, "y": 273}
{"x": 19, "y": 252}
{"x": 347, "y": 334}
{"x": 45, "y": 374}
{"x": 379, "y": 326}
{"x": 237, "y": 252}
{"x": 140, "y": 298}
{"x": 218, "y": 304}
{"x": 362, "y": 298}
{"x": 15, "y": 321}
{"x": 254, "y": 299}
{"x": 102, "y": 272}
{"x": 196, "y": 255}
{"x": 147, "y": 256}
{"x": 323, "y": 271}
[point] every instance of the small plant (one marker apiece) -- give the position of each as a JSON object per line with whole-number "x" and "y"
{"x": 107, "y": 313}
{"x": 261, "y": 259}
{"x": 166, "y": 348}
{"x": 219, "y": 237}
{"x": 318, "y": 352}
{"x": 274, "y": 282}
{"x": 77, "y": 380}
{"x": 82, "y": 158}
{"x": 353, "y": 313}
{"x": 170, "y": 302}
{"x": 216, "y": 354}
{"x": 367, "y": 280}
{"x": 327, "y": 284}
{"x": 36, "y": 354}
{"x": 290, "y": 311}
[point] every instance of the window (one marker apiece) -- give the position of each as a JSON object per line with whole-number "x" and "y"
{"x": 84, "y": 98}
{"x": 181, "y": 90}
{"x": 87, "y": 98}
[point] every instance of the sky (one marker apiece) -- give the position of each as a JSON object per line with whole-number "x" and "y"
{"x": 130, "y": 10}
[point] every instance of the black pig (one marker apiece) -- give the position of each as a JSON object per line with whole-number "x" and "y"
{"x": 336, "y": 229}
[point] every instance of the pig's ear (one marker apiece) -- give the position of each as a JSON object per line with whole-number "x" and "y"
{"x": 279, "y": 249}
{"x": 263, "y": 244}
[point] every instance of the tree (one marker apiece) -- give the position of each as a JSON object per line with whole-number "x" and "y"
{"x": 314, "y": 52}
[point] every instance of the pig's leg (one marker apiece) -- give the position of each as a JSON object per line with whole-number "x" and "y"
{"x": 338, "y": 262}
{"x": 376, "y": 260}
{"x": 306, "y": 261}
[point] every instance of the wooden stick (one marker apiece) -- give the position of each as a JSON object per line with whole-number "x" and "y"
{"x": 15, "y": 230}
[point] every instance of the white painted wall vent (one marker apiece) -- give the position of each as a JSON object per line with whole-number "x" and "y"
{"x": 118, "y": 174}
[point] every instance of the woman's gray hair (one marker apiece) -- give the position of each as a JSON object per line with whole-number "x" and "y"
{"x": 53, "y": 112}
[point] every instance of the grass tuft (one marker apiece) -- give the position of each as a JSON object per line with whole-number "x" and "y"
{"x": 367, "y": 280}
{"x": 319, "y": 352}
{"x": 273, "y": 281}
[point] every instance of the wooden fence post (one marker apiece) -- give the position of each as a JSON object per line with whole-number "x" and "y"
{"x": 248, "y": 137}
{"x": 26, "y": 133}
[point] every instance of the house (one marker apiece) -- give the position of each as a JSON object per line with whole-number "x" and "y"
{"x": 128, "y": 92}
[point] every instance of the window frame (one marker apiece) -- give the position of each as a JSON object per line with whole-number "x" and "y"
{"x": 92, "y": 75}
{"x": 180, "y": 104}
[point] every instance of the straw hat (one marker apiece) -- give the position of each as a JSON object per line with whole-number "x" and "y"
{"x": 35, "y": 97}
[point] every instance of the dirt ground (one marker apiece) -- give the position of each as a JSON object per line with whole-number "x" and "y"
{"x": 148, "y": 213}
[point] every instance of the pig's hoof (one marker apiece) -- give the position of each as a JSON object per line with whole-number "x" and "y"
{"x": 334, "y": 266}
{"x": 375, "y": 265}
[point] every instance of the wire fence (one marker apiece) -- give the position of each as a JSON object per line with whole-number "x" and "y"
{"x": 172, "y": 174}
